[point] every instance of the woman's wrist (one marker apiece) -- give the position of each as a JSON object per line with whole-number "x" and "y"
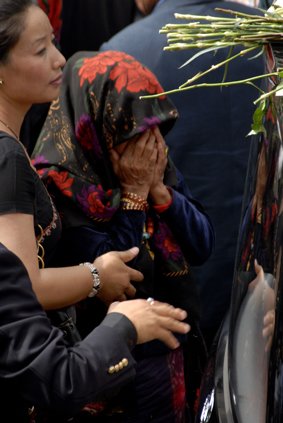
{"x": 140, "y": 190}
{"x": 96, "y": 284}
{"x": 160, "y": 194}
{"x": 162, "y": 200}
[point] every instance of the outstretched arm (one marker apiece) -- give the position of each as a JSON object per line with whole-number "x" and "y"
{"x": 78, "y": 374}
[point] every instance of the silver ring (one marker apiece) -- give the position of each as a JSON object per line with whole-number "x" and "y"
{"x": 150, "y": 300}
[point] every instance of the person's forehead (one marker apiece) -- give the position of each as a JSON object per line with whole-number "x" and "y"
{"x": 36, "y": 27}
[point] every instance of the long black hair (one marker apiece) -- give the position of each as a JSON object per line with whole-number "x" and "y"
{"x": 12, "y": 22}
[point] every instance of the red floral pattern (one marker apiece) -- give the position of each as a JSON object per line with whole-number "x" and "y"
{"x": 135, "y": 78}
{"x": 95, "y": 202}
{"x": 92, "y": 66}
{"x": 164, "y": 239}
{"x": 87, "y": 136}
{"x": 176, "y": 366}
{"x": 62, "y": 181}
{"x": 129, "y": 73}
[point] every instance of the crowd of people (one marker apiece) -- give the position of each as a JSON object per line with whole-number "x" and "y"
{"x": 118, "y": 216}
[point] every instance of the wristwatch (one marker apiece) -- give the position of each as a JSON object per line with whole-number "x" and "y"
{"x": 96, "y": 279}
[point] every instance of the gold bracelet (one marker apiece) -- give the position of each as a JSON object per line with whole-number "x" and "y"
{"x": 132, "y": 201}
{"x": 127, "y": 204}
{"x": 133, "y": 196}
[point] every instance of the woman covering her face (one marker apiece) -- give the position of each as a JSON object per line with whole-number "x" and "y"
{"x": 103, "y": 157}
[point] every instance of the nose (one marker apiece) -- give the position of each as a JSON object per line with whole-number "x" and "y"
{"x": 60, "y": 60}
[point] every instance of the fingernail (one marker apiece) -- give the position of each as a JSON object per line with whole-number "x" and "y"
{"x": 135, "y": 250}
{"x": 177, "y": 344}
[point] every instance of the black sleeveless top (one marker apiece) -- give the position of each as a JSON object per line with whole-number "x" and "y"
{"x": 22, "y": 191}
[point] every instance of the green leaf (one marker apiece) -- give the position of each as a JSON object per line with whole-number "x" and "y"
{"x": 200, "y": 53}
{"x": 258, "y": 118}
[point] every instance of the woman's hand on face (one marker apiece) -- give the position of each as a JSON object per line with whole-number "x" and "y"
{"x": 158, "y": 191}
{"x": 153, "y": 320}
{"x": 135, "y": 165}
{"x": 116, "y": 276}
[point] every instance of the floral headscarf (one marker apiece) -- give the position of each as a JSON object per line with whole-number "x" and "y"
{"x": 98, "y": 108}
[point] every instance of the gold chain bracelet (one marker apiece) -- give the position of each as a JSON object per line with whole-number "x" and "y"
{"x": 132, "y": 201}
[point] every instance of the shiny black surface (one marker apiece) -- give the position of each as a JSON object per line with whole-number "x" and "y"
{"x": 244, "y": 374}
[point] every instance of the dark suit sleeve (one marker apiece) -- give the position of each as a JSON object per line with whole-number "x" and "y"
{"x": 35, "y": 360}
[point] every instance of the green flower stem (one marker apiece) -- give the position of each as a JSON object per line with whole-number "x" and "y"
{"x": 218, "y": 65}
{"x": 184, "y": 46}
{"x": 216, "y": 18}
{"x": 220, "y": 24}
{"x": 216, "y": 84}
{"x": 268, "y": 94}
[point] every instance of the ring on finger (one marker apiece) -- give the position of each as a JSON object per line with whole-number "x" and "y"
{"x": 150, "y": 300}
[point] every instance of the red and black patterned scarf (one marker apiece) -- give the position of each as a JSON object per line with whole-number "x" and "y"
{"x": 100, "y": 107}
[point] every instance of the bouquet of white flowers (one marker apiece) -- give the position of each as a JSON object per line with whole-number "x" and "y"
{"x": 211, "y": 33}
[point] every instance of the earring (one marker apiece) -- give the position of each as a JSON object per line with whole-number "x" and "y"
{"x": 1, "y": 82}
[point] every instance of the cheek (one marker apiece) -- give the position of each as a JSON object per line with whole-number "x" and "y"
{"x": 37, "y": 76}
{"x": 26, "y": 79}
{"x": 34, "y": 86}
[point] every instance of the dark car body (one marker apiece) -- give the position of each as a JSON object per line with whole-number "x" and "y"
{"x": 243, "y": 379}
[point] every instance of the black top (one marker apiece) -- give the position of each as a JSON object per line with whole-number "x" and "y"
{"x": 36, "y": 367}
{"x": 22, "y": 191}
{"x": 27, "y": 339}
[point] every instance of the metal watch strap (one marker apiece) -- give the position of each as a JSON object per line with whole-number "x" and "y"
{"x": 95, "y": 277}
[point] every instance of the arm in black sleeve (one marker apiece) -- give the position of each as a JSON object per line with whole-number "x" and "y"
{"x": 37, "y": 362}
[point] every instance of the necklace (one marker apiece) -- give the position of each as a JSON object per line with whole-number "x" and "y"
{"x": 18, "y": 139}
{"x": 10, "y": 129}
